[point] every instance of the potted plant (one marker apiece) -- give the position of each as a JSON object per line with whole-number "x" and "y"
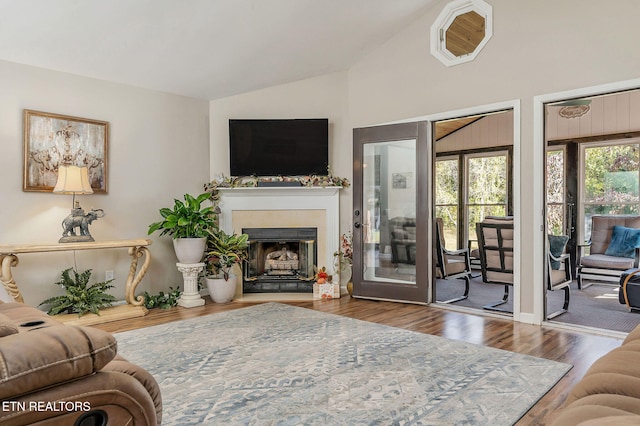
{"x": 188, "y": 224}
{"x": 79, "y": 298}
{"x": 223, "y": 252}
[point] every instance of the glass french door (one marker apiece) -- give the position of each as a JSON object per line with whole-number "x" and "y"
{"x": 391, "y": 175}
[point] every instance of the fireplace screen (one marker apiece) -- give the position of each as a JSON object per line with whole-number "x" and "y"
{"x": 280, "y": 260}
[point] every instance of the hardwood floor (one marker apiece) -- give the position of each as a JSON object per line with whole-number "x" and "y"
{"x": 575, "y": 348}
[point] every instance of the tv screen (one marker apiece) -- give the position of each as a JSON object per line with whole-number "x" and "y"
{"x": 289, "y": 147}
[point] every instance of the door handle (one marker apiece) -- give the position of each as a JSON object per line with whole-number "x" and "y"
{"x": 356, "y": 225}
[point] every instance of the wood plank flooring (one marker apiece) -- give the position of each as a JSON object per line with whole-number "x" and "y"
{"x": 575, "y": 348}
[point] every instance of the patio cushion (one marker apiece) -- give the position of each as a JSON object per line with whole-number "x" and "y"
{"x": 557, "y": 244}
{"x": 603, "y": 261}
{"x": 455, "y": 266}
{"x": 623, "y": 242}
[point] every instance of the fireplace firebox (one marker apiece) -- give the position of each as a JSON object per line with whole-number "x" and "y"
{"x": 280, "y": 260}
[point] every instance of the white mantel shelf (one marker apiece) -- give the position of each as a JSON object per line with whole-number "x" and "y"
{"x": 273, "y": 190}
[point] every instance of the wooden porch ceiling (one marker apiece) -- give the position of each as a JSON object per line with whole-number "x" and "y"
{"x": 446, "y": 127}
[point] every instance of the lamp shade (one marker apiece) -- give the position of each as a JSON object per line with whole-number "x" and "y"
{"x": 73, "y": 180}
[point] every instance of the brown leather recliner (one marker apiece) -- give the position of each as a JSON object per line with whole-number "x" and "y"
{"x": 54, "y": 374}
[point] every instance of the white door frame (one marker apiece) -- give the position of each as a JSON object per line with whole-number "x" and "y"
{"x": 538, "y": 178}
{"x": 488, "y": 109}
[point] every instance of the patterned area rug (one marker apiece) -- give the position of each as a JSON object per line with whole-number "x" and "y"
{"x": 279, "y": 364}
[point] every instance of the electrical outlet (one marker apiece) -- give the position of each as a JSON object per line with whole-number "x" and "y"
{"x": 108, "y": 275}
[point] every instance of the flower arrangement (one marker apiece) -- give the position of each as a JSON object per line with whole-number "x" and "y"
{"x": 222, "y": 181}
{"x": 322, "y": 276}
{"x": 344, "y": 256}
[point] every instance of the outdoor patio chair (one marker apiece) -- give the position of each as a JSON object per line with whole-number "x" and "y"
{"x": 559, "y": 271}
{"x": 613, "y": 248}
{"x": 495, "y": 241}
{"x": 451, "y": 264}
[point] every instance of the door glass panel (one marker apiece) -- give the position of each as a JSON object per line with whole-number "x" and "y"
{"x": 389, "y": 216}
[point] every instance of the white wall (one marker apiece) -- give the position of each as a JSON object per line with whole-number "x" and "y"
{"x": 158, "y": 150}
{"x": 538, "y": 47}
{"x": 320, "y": 97}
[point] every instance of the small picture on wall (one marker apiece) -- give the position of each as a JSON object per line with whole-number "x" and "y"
{"x": 53, "y": 140}
{"x": 401, "y": 180}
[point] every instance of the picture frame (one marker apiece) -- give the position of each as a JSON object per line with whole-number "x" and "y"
{"x": 52, "y": 140}
{"x": 401, "y": 180}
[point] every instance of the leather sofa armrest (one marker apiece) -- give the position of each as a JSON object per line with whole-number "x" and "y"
{"x": 121, "y": 365}
{"x": 47, "y": 356}
{"x": 121, "y": 397}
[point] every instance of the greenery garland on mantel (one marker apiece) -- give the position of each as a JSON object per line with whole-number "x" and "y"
{"x": 222, "y": 181}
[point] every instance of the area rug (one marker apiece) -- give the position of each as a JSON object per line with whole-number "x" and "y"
{"x": 284, "y": 365}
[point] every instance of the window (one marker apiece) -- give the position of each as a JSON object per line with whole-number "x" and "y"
{"x": 555, "y": 191}
{"x": 485, "y": 193}
{"x": 610, "y": 176}
{"x": 486, "y": 187}
{"x": 461, "y": 31}
{"x": 447, "y": 198}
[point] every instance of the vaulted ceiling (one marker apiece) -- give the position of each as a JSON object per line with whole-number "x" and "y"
{"x": 205, "y": 49}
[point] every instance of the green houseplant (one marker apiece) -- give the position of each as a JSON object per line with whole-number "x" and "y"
{"x": 80, "y": 297}
{"x": 162, "y": 300}
{"x": 223, "y": 252}
{"x": 188, "y": 224}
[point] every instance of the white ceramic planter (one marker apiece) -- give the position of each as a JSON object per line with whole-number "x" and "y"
{"x": 189, "y": 250}
{"x": 221, "y": 290}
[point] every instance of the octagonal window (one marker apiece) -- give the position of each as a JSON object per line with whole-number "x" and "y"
{"x": 461, "y": 31}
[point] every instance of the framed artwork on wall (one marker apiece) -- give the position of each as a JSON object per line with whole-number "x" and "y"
{"x": 401, "y": 180}
{"x": 53, "y": 140}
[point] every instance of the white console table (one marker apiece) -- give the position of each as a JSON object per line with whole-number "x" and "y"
{"x": 137, "y": 249}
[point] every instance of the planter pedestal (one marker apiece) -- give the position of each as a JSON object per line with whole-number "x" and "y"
{"x": 190, "y": 297}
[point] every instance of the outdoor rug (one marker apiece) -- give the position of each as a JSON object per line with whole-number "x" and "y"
{"x": 279, "y": 364}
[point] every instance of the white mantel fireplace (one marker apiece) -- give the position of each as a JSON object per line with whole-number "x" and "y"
{"x": 284, "y": 207}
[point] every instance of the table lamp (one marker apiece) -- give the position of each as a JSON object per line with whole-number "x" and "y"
{"x": 75, "y": 180}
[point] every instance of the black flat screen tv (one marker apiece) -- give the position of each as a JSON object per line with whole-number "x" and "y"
{"x": 279, "y": 147}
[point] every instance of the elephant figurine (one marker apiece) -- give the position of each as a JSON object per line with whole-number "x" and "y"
{"x": 78, "y": 219}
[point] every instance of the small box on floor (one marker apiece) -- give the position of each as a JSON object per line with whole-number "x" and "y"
{"x": 326, "y": 291}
